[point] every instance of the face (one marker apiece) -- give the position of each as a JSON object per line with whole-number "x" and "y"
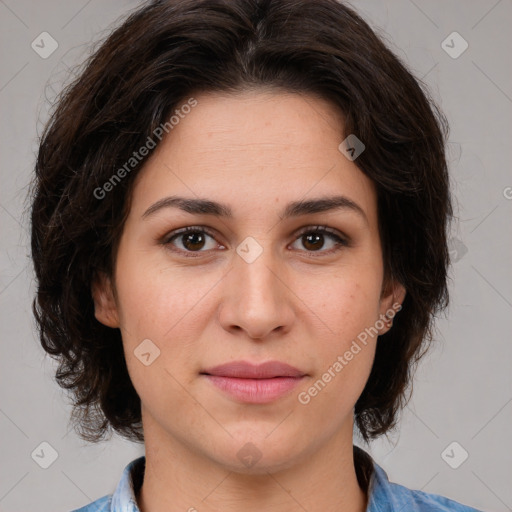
{"x": 281, "y": 263}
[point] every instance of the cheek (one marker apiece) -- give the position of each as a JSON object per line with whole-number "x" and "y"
{"x": 168, "y": 306}
{"x": 346, "y": 303}
{"x": 347, "y": 309}
{"x": 157, "y": 297}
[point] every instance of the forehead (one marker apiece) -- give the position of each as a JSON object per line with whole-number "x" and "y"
{"x": 255, "y": 147}
{"x": 266, "y": 124}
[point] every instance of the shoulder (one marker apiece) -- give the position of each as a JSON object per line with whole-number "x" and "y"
{"x": 100, "y": 505}
{"x": 386, "y": 496}
{"x": 426, "y": 502}
{"x": 123, "y": 497}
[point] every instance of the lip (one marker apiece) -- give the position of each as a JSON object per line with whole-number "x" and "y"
{"x": 246, "y": 370}
{"x": 254, "y": 383}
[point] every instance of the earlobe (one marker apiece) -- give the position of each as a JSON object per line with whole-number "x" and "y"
{"x": 105, "y": 307}
{"x": 391, "y": 303}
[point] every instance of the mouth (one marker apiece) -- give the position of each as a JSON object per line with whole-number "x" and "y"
{"x": 254, "y": 383}
{"x": 246, "y": 370}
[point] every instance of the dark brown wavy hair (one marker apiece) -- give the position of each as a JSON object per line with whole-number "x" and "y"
{"x": 166, "y": 51}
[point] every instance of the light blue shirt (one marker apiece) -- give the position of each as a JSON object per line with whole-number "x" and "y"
{"x": 383, "y": 496}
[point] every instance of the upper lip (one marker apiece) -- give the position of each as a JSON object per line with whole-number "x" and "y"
{"x": 246, "y": 370}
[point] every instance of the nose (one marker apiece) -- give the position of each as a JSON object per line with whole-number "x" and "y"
{"x": 256, "y": 298}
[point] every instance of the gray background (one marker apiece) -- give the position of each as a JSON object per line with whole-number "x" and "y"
{"x": 463, "y": 389}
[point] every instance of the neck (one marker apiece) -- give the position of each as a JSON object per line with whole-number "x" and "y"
{"x": 179, "y": 479}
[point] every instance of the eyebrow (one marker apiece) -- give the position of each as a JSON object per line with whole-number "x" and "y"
{"x": 294, "y": 209}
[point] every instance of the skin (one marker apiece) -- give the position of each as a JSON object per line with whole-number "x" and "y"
{"x": 298, "y": 302}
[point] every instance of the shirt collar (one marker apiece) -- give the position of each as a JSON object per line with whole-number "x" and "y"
{"x": 123, "y": 499}
{"x": 380, "y": 497}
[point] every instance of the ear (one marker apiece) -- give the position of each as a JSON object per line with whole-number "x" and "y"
{"x": 392, "y": 298}
{"x": 105, "y": 307}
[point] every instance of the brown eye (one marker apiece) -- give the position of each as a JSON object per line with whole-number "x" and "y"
{"x": 321, "y": 240}
{"x": 193, "y": 241}
{"x": 313, "y": 242}
{"x": 190, "y": 240}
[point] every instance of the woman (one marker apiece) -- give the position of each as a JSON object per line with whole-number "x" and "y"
{"x": 239, "y": 236}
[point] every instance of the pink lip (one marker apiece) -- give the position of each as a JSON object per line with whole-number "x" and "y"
{"x": 245, "y": 370}
{"x": 255, "y": 384}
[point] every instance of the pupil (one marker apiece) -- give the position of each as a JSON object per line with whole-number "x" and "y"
{"x": 314, "y": 239}
{"x": 193, "y": 240}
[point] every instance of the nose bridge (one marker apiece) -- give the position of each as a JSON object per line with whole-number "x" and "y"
{"x": 256, "y": 299}
{"x": 259, "y": 278}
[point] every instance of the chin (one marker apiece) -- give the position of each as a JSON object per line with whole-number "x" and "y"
{"x": 259, "y": 454}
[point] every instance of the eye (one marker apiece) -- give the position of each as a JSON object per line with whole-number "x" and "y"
{"x": 198, "y": 239}
{"x": 314, "y": 239}
{"x": 190, "y": 239}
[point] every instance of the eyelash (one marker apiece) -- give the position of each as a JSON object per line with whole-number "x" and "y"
{"x": 335, "y": 235}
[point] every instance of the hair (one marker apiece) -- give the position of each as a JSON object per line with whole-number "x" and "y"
{"x": 161, "y": 54}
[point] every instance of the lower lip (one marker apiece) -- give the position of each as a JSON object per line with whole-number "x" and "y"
{"x": 255, "y": 391}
